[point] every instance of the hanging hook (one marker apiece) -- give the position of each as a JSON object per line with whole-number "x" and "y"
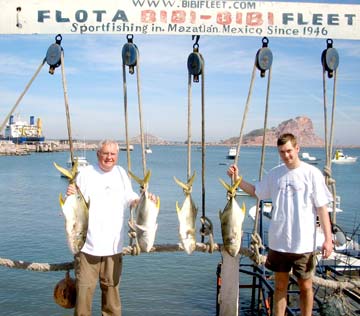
{"x": 18, "y": 24}
{"x": 53, "y": 54}
{"x": 196, "y": 44}
{"x": 264, "y": 57}
{"x": 195, "y": 60}
{"x": 330, "y": 58}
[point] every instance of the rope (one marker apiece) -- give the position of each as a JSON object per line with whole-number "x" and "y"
{"x": 348, "y": 284}
{"x": 189, "y": 128}
{"x": 140, "y": 113}
{"x": 245, "y": 114}
{"x": 196, "y": 67}
{"x": 203, "y": 142}
{"x": 256, "y": 242}
{"x": 22, "y": 95}
{"x": 67, "y": 107}
{"x": 34, "y": 266}
{"x": 329, "y": 137}
{"x": 200, "y": 247}
{"x": 262, "y": 151}
{"x": 126, "y": 118}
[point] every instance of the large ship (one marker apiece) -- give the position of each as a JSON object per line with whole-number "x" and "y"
{"x": 20, "y": 132}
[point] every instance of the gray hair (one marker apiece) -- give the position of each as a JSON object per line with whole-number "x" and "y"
{"x": 105, "y": 142}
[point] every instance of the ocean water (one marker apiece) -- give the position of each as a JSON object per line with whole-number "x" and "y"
{"x": 172, "y": 284}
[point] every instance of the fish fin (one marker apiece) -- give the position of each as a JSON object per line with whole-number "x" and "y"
{"x": 158, "y": 203}
{"x": 220, "y": 214}
{"x": 243, "y": 208}
{"x": 61, "y": 200}
{"x": 178, "y": 209}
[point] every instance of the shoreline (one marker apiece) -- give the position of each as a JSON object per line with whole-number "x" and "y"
{"x": 7, "y": 148}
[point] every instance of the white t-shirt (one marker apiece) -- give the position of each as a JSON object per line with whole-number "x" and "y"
{"x": 295, "y": 194}
{"x": 109, "y": 193}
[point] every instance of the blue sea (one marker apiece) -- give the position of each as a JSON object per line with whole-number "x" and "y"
{"x": 155, "y": 284}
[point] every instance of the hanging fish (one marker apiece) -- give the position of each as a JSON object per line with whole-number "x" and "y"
{"x": 231, "y": 219}
{"x": 146, "y": 213}
{"x": 76, "y": 212}
{"x": 187, "y": 217}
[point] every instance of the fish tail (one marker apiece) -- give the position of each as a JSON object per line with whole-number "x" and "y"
{"x": 142, "y": 182}
{"x": 181, "y": 184}
{"x": 231, "y": 188}
{"x": 226, "y": 186}
{"x": 63, "y": 171}
{"x": 187, "y": 187}
{"x": 70, "y": 174}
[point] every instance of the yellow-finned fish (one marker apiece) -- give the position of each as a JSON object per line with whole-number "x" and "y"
{"x": 231, "y": 219}
{"x": 187, "y": 217}
{"x": 146, "y": 213}
{"x": 76, "y": 212}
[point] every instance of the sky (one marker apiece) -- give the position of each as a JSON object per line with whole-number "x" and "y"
{"x": 93, "y": 67}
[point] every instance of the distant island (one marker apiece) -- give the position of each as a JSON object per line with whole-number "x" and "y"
{"x": 302, "y": 127}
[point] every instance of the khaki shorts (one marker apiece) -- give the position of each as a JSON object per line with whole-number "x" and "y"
{"x": 302, "y": 265}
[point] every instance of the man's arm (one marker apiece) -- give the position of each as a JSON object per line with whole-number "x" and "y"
{"x": 324, "y": 218}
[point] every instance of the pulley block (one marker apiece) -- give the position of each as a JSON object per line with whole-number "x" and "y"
{"x": 195, "y": 65}
{"x": 330, "y": 58}
{"x": 53, "y": 54}
{"x": 130, "y": 54}
{"x": 264, "y": 58}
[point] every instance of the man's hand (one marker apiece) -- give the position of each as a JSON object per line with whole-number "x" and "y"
{"x": 233, "y": 172}
{"x": 327, "y": 249}
{"x": 71, "y": 189}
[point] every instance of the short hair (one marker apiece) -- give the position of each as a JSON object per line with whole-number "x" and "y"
{"x": 286, "y": 137}
{"x": 105, "y": 142}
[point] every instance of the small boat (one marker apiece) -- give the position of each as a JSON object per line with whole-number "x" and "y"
{"x": 124, "y": 148}
{"x": 231, "y": 153}
{"x": 82, "y": 163}
{"x": 148, "y": 150}
{"x": 81, "y": 160}
{"x": 309, "y": 159}
{"x": 241, "y": 192}
{"x": 341, "y": 158}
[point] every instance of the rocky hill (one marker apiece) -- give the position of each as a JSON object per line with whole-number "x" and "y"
{"x": 149, "y": 139}
{"x": 302, "y": 127}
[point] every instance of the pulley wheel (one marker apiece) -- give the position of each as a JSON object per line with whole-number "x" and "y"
{"x": 264, "y": 58}
{"x": 330, "y": 59}
{"x": 195, "y": 64}
{"x": 53, "y": 55}
{"x": 129, "y": 54}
